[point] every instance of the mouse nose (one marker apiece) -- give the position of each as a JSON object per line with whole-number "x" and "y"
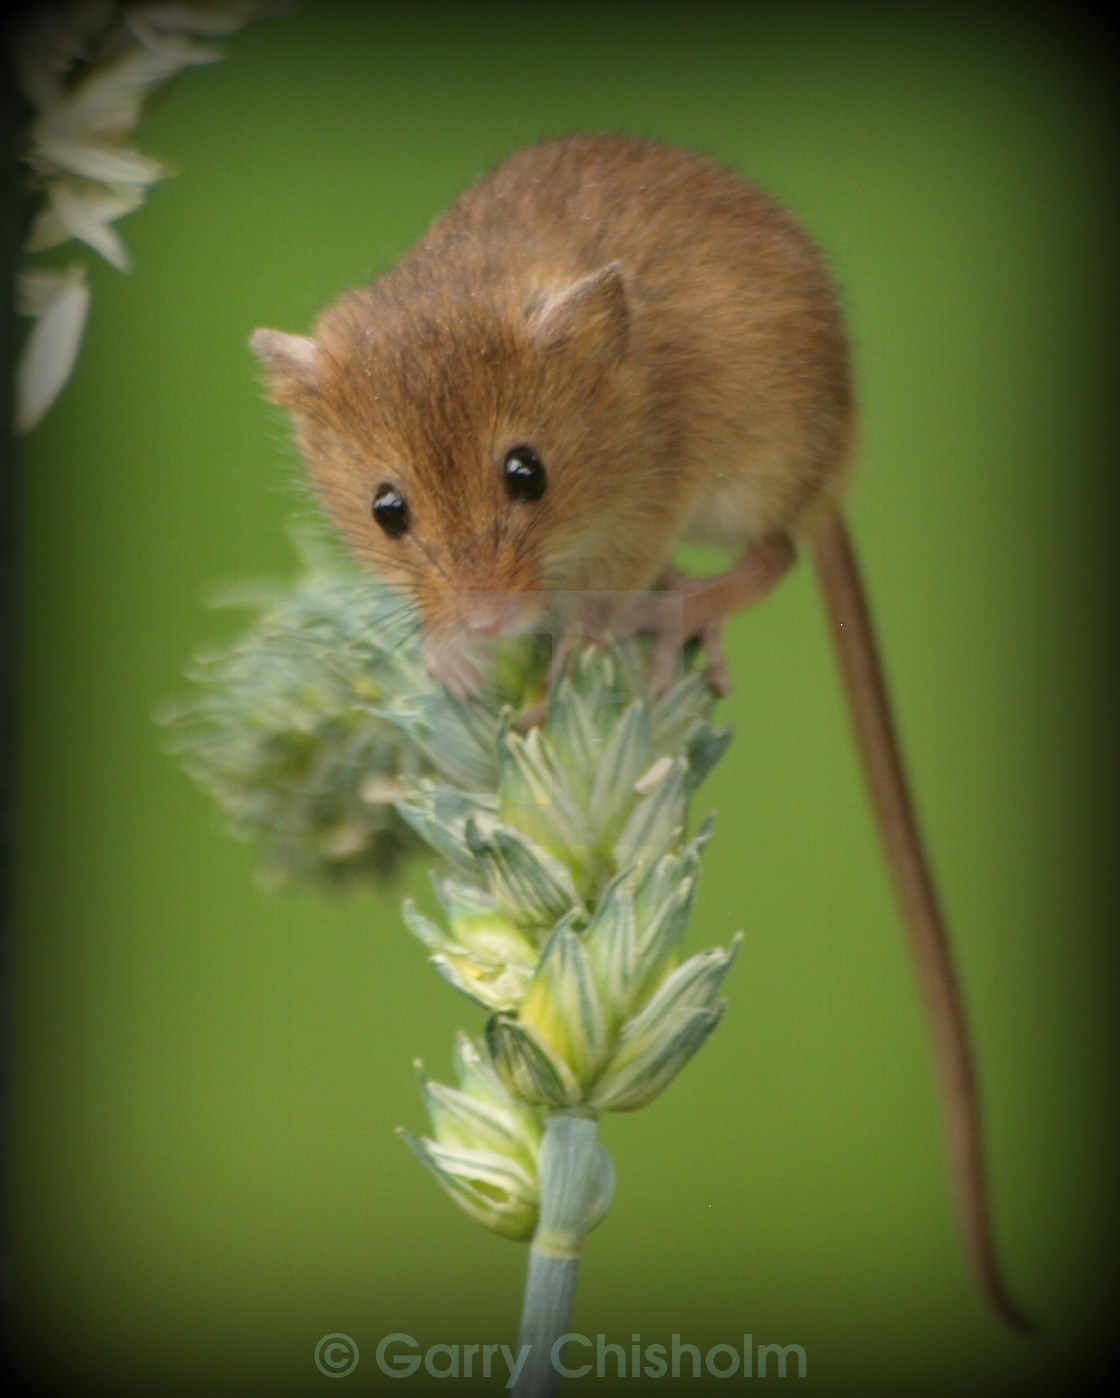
{"x": 495, "y": 613}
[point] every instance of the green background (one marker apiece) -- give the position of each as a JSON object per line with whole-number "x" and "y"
{"x": 206, "y": 1075}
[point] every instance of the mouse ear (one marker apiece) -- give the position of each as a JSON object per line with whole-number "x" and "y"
{"x": 291, "y": 361}
{"x": 591, "y": 315}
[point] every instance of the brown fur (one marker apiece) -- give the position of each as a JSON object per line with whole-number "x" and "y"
{"x": 707, "y": 398}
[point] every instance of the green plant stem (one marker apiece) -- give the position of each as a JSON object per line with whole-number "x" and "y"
{"x": 568, "y": 1156}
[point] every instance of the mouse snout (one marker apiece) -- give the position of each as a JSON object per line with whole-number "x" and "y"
{"x": 464, "y": 627}
{"x": 497, "y": 613}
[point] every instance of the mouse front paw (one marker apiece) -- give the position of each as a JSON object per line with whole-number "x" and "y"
{"x": 445, "y": 661}
{"x": 698, "y": 609}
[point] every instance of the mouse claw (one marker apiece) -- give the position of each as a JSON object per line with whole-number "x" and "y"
{"x": 661, "y": 669}
{"x": 717, "y": 672}
{"x": 665, "y": 662}
{"x": 534, "y": 716}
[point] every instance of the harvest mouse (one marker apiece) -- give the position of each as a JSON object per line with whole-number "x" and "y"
{"x": 605, "y": 347}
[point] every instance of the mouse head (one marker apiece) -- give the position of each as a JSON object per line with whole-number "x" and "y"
{"x": 466, "y": 438}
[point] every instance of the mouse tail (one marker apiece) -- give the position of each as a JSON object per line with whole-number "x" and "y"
{"x": 866, "y": 691}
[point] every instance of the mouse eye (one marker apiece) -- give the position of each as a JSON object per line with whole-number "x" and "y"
{"x": 390, "y": 510}
{"x": 524, "y": 475}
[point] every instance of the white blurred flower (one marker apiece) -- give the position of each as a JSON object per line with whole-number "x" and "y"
{"x": 88, "y": 69}
{"x": 59, "y": 302}
{"x": 85, "y": 210}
